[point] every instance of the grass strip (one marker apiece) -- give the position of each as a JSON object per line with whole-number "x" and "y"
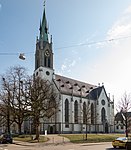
{"x": 29, "y": 138}
{"x": 92, "y": 138}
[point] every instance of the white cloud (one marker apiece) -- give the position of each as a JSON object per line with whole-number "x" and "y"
{"x": 67, "y": 66}
{"x": 121, "y": 27}
{"x": 128, "y": 10}
{"x": 72, "y": 64}
{"x": 114, "y": 69}
{"x": 63, "y": 67}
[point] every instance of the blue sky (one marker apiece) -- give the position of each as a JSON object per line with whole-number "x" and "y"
{"x": 74, "y": 25}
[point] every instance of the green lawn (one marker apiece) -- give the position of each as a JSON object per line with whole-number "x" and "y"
{"x": 75, "y": 138}
{"x": 29, "y": 138}
{"x": 92, "y": 138}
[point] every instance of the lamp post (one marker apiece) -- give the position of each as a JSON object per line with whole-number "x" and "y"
{"x": 126, "y": 126}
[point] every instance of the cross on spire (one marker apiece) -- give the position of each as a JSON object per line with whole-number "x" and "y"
{"x": 44, "y": 3}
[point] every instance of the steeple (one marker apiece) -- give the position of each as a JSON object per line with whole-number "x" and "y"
{"x": 44, "y": 54}
{"x": 43, "y": 28}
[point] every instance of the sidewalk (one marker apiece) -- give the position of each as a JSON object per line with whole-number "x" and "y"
{"x": 56, "y": 139}
{"x": 52, "y": 139}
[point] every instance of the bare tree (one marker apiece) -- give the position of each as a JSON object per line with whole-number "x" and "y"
{"x": 43, "y": 101}
{"x": 13, "y": 95}
{"x": 123, "y": 107}
{"x": 89, "y": 115}
{"x": 4, "y": 111}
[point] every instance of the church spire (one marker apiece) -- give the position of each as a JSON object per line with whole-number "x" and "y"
{"x": 44, "y": 54}
{"x": 43, "y": 28}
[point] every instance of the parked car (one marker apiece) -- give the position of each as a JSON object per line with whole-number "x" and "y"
{"x": 120, "y": 142}
{"x": 6, "y": 138}
{"x": 128, "y": 144}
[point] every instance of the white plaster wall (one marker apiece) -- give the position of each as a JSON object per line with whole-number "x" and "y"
{"x": 119, "y": 129}
{"x": 41, "y": 71}
{"x": 100, "y": 106}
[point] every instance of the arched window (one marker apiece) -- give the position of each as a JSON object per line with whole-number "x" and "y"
{"x": 76, "y": 111}
{"x": 92, "y": 114}
{"x": 47, "y": 61}
{"x": 84, "y": 113}
{"x": 66, "y": 111}
{"x": 103, "y": 115}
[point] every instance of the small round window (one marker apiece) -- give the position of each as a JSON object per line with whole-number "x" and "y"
{"x": 103, "y": 102}
{"x": 47, "y": 73}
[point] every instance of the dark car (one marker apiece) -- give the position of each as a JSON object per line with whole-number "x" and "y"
{"x": 6, "y": 138}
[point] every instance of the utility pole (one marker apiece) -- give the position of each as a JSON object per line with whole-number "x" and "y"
{"x": 126, "y": 125}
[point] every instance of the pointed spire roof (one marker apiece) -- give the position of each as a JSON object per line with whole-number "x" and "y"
{"x": 44, "y": 28}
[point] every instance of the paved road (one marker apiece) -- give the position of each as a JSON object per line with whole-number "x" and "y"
{"x": 66, "y": 146}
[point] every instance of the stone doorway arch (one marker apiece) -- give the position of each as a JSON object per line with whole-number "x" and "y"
{"x": 51, "y": 130}
{"x": 106, "y": 128}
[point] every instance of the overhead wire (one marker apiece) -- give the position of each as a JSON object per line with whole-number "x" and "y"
{"x": 95, "y": 42}
{"x": 75, "y": 45}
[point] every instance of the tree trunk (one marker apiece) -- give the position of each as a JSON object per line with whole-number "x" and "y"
{"x": 37, "y": 129}
{"x": 37, "y": 133}
{"x": 86, "y": 128}
{"x": 19, "y": 128}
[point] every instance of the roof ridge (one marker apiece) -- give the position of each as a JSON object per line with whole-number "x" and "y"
{"x": 75, "y": 80}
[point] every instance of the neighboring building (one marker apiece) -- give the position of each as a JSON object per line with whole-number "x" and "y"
{"x": 75, "y": 96}
{"x": 26, "y": 127}
{"x": 119, "y": 122}
{"x": 129, "y": 123}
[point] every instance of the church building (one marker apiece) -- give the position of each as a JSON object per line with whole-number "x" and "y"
{"x": 83, "y": 107}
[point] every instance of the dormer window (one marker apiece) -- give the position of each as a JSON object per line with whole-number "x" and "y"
{"x": 75, "y": 84}
{"x": 67, "y": 82}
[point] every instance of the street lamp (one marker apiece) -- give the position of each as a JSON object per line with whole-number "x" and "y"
{"x": 22, "y": 56}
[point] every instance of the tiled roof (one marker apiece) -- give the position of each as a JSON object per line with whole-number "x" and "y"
{"x": 118, "y": 116}
{"x": 70, "y": 86}
{"x": 95, "y": 93}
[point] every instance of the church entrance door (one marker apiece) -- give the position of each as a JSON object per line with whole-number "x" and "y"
{"x": 106, "y": 128}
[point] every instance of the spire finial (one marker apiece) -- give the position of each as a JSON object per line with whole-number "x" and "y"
{"x": 44, "y": 3}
